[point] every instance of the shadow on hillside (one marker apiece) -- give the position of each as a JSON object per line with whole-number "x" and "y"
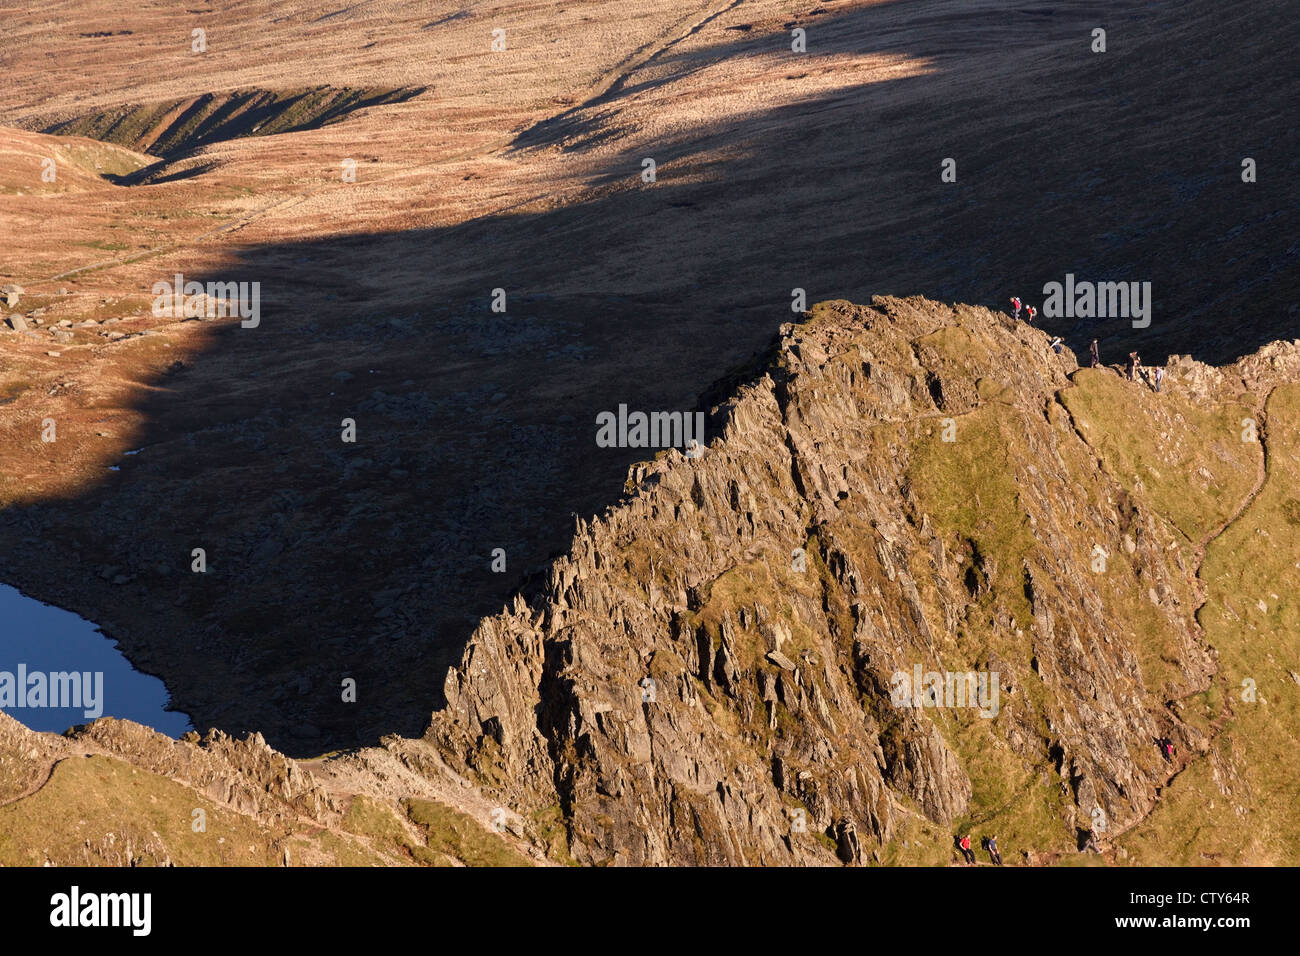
{"x": 475, "y": 430}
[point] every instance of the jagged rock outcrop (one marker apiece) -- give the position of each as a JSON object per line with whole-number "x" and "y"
{"x": 928, "y": 575}
{"x": 246, "y": 775}
{"x": 710, "y": 676}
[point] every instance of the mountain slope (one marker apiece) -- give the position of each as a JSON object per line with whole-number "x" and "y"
{"x": 710, "y": 676}
{"x": 970, "y": 555}
{"x": 521, "y": 170}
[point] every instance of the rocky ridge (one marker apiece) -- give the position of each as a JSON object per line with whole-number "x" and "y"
{"x": 772, "y": 685}
{"x": 709, "y": 676}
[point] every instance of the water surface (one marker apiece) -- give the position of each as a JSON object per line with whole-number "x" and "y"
{"x": 38, "y": 640}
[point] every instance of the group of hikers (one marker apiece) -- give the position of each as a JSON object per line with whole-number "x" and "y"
{"x": 1030, "y": 311}
{"x": 1090, "y": 845}
{"x": 989, "y": 843}
{"x": 1132, "y": 371}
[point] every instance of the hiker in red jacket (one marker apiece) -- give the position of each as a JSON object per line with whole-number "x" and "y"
{"x": 1015, "y": 304}
{"x": 1032, "y": 312}
{"x": 967, "y": 853}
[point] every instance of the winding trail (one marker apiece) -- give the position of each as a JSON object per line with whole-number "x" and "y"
{"x": 1200, "y": 548}
{"x": 1260, "y": 415}
{"x": 49, "y": 775}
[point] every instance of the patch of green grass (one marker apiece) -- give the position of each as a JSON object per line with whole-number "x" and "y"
{"x": 1018, "y": 801}
{"x": 459, "y": 836}
{"x": 105, "y": 245}
{"x": 968, "y": 487}
{"x": 549, "y": 823}
{"x": 178, "y": 125}
{"x": 370, "y": 818}
{"x": 1164, "y": 445}
{"x": 101, "y": 159}
{"x": 323, "y": 847}
{"x": 917, "y": 841}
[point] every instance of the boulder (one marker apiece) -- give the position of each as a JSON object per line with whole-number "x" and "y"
{"x": 780, "y": 660}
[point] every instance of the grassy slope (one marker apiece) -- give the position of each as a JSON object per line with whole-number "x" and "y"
{"x": 1165, "y": 445}
{"x": 432, "y": 834}
{"x": 1238, "y": 804}
{"x": 174, "y": 126}
{"x": 1161, "y": 449}
{"x": 968, "y": 489}
{"x": 93, "y": 807}
{"x": 80, "y": 164}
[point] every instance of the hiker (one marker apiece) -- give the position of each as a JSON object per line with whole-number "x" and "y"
{"x": 1015, "y": 304}
{"x": 1166, "y": 749}
{"x": 991, "y": 844}
{"x": 964, "y": 845}
{"x": 1032, "y": 312}
{"x": 1056, "y": 345}
{"x": 1096, "y": 355}
{"x": 1133, "y": 363}
{"x": 1091, "y": 843}
{"x": 1160, "y": 376}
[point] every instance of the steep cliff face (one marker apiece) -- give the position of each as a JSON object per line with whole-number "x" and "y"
{"x": 719, "y": 671}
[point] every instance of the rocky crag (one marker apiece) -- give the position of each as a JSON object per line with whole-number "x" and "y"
{"x": 712, "y": 674}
